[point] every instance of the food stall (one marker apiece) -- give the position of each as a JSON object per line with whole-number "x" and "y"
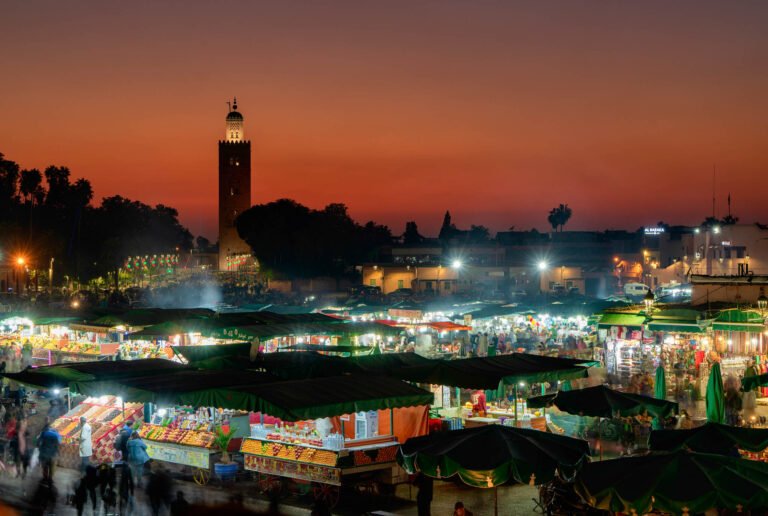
{"x": 333, "y": 431}
{"x": 106, "y": 415}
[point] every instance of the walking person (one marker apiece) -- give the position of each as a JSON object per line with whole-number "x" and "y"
{"x": 86, "y": 444}
{"x": 425, "y": 485}
{"x": 22, "y": 448}
{"x": 48, "y": 448}
{"x": 137, "y": 457}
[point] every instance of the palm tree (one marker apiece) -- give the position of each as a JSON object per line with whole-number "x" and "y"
{"x": 559, "y": 217}
{"x": 30, "y": 184}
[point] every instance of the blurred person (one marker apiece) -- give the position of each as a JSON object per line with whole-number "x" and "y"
{"x": 425, "y": 486}
{"x": 22, "y": 448}
{"x": 159, "y": 487}
{"x": 44, "y": 498}
{"x": 85, "y": 448}
{"x": 48, "y": 448}
{"x": 180, "y": 506}
{"x": 137, "y": 457}
{"x": 460, "y": 510}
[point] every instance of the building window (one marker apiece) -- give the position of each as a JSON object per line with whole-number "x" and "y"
{"x": 400, "y": 283}
{"x": 372, "y": 282}
{"x": 231, "y": 161}
{"x": 428, "y": 285}
{"x": 231, "y": 191}
{"x": 447, "y": 285}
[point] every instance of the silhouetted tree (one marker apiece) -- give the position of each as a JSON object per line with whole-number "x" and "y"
{"x": 447, "y": 230}
{"x": 292, "y": 239}
{"x": 411, "y": 235}
{"x": 559, "y": 217}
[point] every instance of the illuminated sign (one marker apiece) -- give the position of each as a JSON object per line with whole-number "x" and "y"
{"x": 654, "y": 230}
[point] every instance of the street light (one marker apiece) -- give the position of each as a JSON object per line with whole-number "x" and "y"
{"x": 648, "y": 300}
{"x": 762, "y": 301}
{"x": 456, "y": 264}
{"x": 543, "y": 265}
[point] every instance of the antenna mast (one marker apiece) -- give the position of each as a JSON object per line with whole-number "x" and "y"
{"x": 714, "y": 174}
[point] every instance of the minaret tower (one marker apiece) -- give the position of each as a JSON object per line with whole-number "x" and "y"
{"x": 234, "y": 191}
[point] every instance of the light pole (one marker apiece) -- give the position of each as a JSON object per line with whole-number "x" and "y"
{"x": 50, "y": 278}
{"x": 20, "y": 262}
{"x": 457, "y": 265}
{"x": 542, "y": 266}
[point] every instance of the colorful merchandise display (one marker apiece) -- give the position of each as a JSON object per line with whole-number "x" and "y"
{"x": 106, "y": 415}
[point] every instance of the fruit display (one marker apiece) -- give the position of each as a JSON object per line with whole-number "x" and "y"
{"x": 289, "y": 452}
{"x": 105, "y": 416}
{"x": 166, "y": 434}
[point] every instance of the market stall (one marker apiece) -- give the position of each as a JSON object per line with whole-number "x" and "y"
{"x": 106, "y": 415}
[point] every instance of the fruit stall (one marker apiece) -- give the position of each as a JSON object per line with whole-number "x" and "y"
{"x": 183, "y": 437}
{"x": 326, "y": 434}
{"x": 106, "y": 415}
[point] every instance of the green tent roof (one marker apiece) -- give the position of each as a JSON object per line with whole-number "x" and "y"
{"x": 297, "y": 400}
{"x": 739, "y": 320}
{"x": 672, "y": 482}
{"x": 600, "y": 401}
{"x": 710, "y": 438}
{"x": 489, "y": 372}
{"x": 749, "y": 383}
{"x": 61, "y": 375}
{"x": 629, "y": 320}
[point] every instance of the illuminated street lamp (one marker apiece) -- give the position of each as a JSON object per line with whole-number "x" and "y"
{"x": 762, "y": 301}
{"x": 542, "y": 265}
{"x": 648, "y": 300}
{"x": 456, "y": 264}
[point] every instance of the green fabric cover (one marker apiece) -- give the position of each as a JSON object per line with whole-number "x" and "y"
{"x": 630, "y": 320}
{"x": 710, "y": 438}
{"x": 739, "y": 320}
{"x": 715, "y": 396}
{"x": 492, "y": 455}
{"x": 673, "y": 481}
{"x": 660, "y": 392}
{"x": 749, "y": 383}
{"x": 314, "y": 398}
{"x": 601, "y": 401}
{"x": 488, "y": 372}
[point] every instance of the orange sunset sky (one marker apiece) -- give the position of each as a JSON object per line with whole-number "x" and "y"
{"x": 495, "y": 110}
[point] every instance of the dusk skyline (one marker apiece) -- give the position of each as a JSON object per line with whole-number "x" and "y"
{"x": 497, "y": 111}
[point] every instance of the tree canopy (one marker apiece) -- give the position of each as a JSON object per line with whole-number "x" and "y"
{"x": 559, "y": 216}
{"x": 292, "y": 239}
{"x": 47, "y": 215}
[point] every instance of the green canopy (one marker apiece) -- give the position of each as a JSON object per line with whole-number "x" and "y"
{"x": 601, "y": 401}
{"x": 488, "y": 372}
{"x": 195, "y": 354}
{"x": 297, "y": 400}
{"x": 739, "y": 320}
{"x": 711, "y": 438}
{"x": 715, "y": 397}
{"x": 171, "y": 389}
{"x": 634, "y": 321}
{"x": 749, "y": 383}
{"x": 168, "y": 329}
{"x": 675, "y": 482}
{"x": 319, "y": 348}
{"x": 492, "y": 455}
{"x": 660, "y": 391}
{"x": 61, "y": 375}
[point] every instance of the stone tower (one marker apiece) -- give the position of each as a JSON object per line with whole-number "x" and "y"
{"x": 234, "y": 192}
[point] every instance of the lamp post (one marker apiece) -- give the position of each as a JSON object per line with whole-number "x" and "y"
{"x": 457, "y": 265}
{"x": 542, "y": 266}
{"x": 20, "y": 262}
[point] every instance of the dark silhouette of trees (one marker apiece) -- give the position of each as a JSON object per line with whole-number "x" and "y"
{"x": 412, "y": 235}
{"x": 447, "y": 230}
{"x": 559, "y": 217}
{"x": 292, "y": 239}
{"x": 56, "y": 220}
{"x": 478, "y": 233}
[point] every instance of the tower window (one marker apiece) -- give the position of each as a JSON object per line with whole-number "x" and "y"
{"x": 231, "y": 192}
{"x": 231, "y": 161}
